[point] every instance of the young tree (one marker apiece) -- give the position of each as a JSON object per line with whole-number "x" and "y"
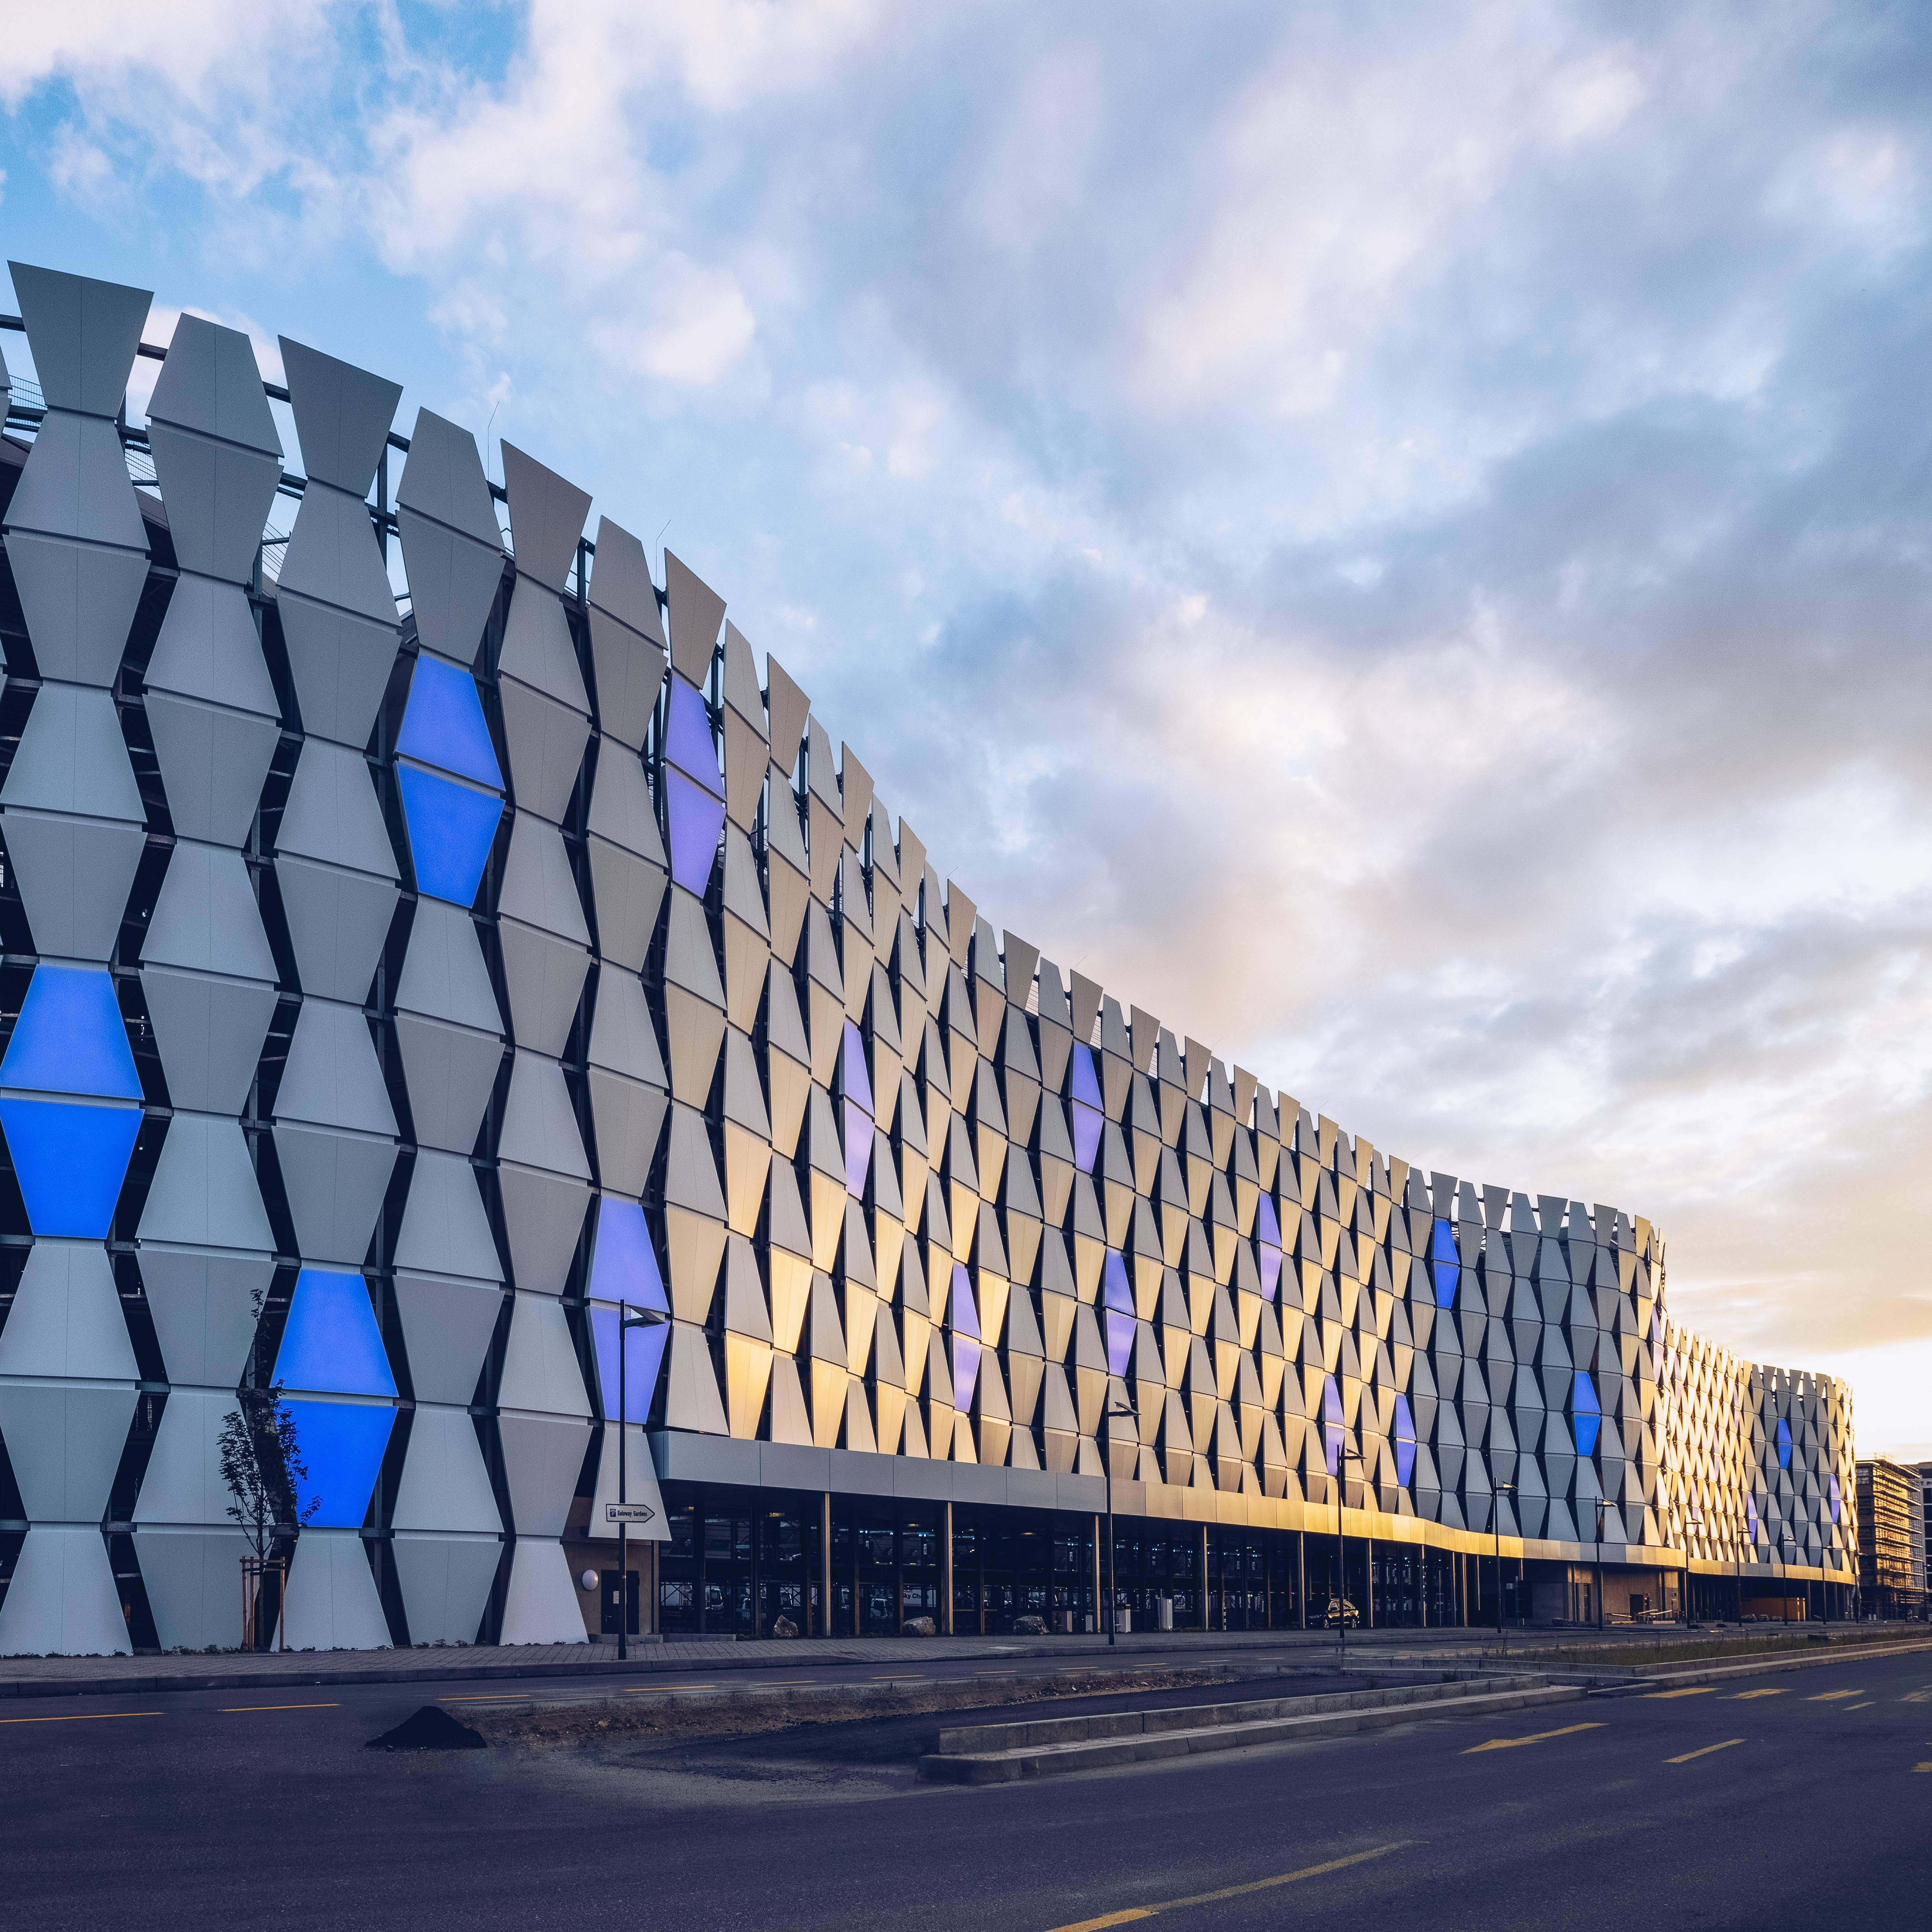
{"x": 261, "y": 1465}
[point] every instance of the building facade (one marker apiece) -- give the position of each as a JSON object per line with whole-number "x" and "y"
{"x": 1892, "y": 1538}
{"x": 424, "y": 939}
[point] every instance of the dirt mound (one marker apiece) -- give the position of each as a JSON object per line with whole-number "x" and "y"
{"x": 430, "y": 1728}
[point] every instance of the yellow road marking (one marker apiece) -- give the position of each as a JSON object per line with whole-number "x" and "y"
{"x": 229, "y": 1710}
{"x": 80, "y": 1717}
{"x": 1509, "y": 1744}
{"x": 1916, "y": 1697}
{"x": 1006, "y": 1673}
{"x": 1926, "y": 1766}
{"x": 772, "y": 1683}
{"x": 1832, "y": 1696}
{"x": 1705, "y": 1752}
{"x": 1858, "y": 1707}
{"x": 1739, "y": 1696}
{"x": 1689, "y": 1690}
{"x": 1137, "y": 1912}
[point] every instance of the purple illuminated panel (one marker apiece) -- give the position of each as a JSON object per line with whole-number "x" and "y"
{"x": 1333, "y": 1432}
{"x": 1086, "y": 1124}
{"x": 688, "y": 738}
{"x": 644, "y": 1349}
{"x": 1115, "y": 1292}
{"x": 1270, "y": 1273}
{"x": 1267, "y": 1229}
{"x": 858, "y": 1149}
{"x": 623, "y": 1264}
{"x": 1404, "y": 1441}
{"x": 1119, "y": 1342}
{"x": 852, "y": 1062}
{"x": 1837, "y": 1499}
{"x": 697, "y": 819}
{"x": 965, "y": 1370}
{"x": 965, "y": 1309}
{"x": 1086, "y": 1086}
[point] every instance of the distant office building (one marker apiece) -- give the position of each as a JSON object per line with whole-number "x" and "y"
{"x": 423, "y": 941}
{"x": 1891, "y": 1537}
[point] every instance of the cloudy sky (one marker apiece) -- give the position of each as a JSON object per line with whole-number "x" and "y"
{"x": 1396, "y": 537}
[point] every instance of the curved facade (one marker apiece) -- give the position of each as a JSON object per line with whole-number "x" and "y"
{"x": 418, "y": 941}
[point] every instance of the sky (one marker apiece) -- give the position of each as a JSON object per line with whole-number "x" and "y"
{"x": 1395, "y": 538}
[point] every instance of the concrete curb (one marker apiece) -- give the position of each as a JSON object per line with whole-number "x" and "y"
{"x": 1044, "y": 1760}
{"x": 447, "y": 1668}
{"x": 1667, "y": 1677}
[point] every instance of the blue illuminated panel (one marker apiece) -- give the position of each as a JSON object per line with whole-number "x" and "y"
{"x": 341, "y": 1445}
{"x": 1585, "y": 1414}
{"x": 1443, "y": 1262}
{"x": 70, "y": 1160}
{"x": 444, "y": 725}
{"x": 70, "y": 1038}
{"x": 332, "y": 1341}
{"x": 451, "y": 829}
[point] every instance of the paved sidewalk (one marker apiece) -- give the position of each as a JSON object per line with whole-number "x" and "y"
{"x": 70, "y": 1676}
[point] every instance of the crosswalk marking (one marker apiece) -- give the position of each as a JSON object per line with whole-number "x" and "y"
{"x": 1832, "y": 1696}
{"x": 1738, "y": 1697}
{"x": 1690, "y": 1691}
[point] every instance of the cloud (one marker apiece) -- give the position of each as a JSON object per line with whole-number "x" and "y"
{"x": 1394, "y": 540}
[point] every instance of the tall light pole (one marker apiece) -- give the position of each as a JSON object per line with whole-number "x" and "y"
{"x": 1344, "y": 1457}
{"x": 1600, "y": 1563}
{"x": 645, "y": 1318}
{"x": 1502, "y": 1489}
{"x": 1125, "y": 1408}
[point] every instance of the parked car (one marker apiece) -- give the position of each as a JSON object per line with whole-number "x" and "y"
{"x": 1341, "y": 1610}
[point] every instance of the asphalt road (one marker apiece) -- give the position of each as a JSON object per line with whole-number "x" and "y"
{"x": 1799, "y": 1799}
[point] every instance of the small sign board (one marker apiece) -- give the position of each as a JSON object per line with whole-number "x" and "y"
{"x": 628, "y": 1513}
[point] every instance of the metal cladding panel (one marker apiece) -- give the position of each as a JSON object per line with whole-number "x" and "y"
{"x": 547, "y": 517}
{"x": 204, "y": 1193}
{"x": 217, "y": 497}
{"x": 190, "y": 1577}
{"x": 79, "y": 600}
{"x": 72, "y": 757}
{"x": 63, "y": 1601}
{"x": 209, "y": 1030}
{"x": 342, "y": 415}
{"x": 206, "y": 918}
{"x": 446, "y": 1583}
{"x": 444, "y": 1484}
{"x": 337, "y": 920}
{"x": 202, "y": 1306}
{"x": 83, "y": 334}
{"x": 213, "y": 760}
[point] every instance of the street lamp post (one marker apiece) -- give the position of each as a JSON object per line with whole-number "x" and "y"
{"x": 1600, "y": 1563}
{"x": 1695, "y": 1520}
{"x": 1125, "y": 1407}
{"x": 645, "y": 1318}
{"x": 1343, "y": 1457}
{"x": 1502, "y": 1489}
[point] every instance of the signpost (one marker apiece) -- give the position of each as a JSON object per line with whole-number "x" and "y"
{"x": 622, "y": 1513}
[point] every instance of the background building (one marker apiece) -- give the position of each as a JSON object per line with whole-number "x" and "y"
{"x": 1892, "y": 1538}
{"x": 392, "y": 993}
